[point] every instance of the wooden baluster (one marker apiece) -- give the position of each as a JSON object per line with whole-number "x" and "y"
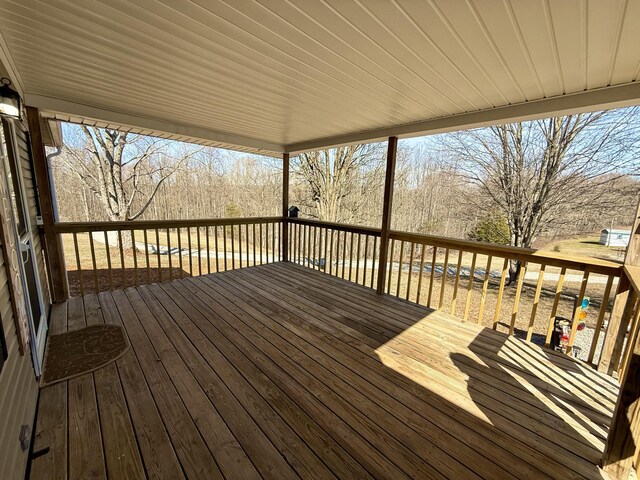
{"x": 224, "y": 245}
{"x": 454, "y": 298}
{"x": 554, "y": 309}
{"x": 536, "y": 301}
{"x": 199, "y": 247}
{"x": 215, "y": 243}
{"x": 358, "y": 258}
{"x": 326, "y": 253}
{"x": 278, "y": 227}
{"x": 190, "y": 251}
{"x": 206, "y": 233}
{"x": 135, "y": 257}
{"x": 303, "y": 245}
{"x": 300, "y": 244}
{"x": 122, "y": 264}
{"x": 366, "y": 257}
{"x": 600, "y": 320}
{"x": 93, "y": 261}
{"x": 443, "y": 280}
{"x": 253, "y": 228}
{"x": 146, "y": 254}
{"x": 516, "y": 300}
{"x": 400, "y": 266}
{"x": 413, "y": 247}
{"x": 78, "y": 264}
{"x": 576, "y": 314}
{"x": 240, "y": 245}
{"x": 331, "y": 253}
{"x": 179, "y": 234}
{"x": 293, "y": 240}
{"x": 266, "y": 241}
{"x": 319, "y": 249}
{"x": 309, "y": 247}
{"x": 373, "y": 260}
{"x": 472, "y": 275}
{"x": 344, "y": 253}
{"x": 503, "y": 278}
{"x": 260, "y": 225}
{"x": 350, "y": 255}
{"x": 390, "y": 269}
{"x": 246, "y": 237}
{"x": 233, "y": 249}
{"x": 273, "y": 242}
{"x": 485, "y": 287}
{"x": 423, "y": 249}
{"x": 314, "y": 259}
{"x": 432, "y": 275}
{"x": 158, "y": 254}
{"x": 108, "y": 251}
{"x": 169, "y": 254}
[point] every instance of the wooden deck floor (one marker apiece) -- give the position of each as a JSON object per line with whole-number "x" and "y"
{"x": 281, "y": 372}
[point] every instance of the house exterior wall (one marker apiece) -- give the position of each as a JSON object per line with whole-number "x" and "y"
{"x": 18, "y": 384}
{"x": 18, "y": 390}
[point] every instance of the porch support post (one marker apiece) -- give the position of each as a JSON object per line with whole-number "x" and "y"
{"x": 392, "y": 148}
{"x": 285, "y": 207}
{"x": 52, "y": 241}
{"x": 624, "y": 434}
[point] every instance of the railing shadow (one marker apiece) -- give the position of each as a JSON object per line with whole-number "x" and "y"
{"x": 515, "y": 394}
{"x": 551, "y": 384}
{"x": 103, "y": 280}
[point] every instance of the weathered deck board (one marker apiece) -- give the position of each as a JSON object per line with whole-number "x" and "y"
{"x": 278, "y": 371}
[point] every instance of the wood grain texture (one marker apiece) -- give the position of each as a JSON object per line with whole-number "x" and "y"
{"x": 278, "y": 371}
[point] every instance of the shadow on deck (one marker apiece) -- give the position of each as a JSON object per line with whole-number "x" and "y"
{"x": 277, "y": 371}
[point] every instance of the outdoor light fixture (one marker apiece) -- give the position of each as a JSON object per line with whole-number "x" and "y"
{"x": 10, "y": 103}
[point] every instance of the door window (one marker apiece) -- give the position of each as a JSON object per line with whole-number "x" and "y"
{"x": 12, "y": 173}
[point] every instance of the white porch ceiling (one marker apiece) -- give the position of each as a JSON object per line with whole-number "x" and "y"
{"x": 284, "y": 75}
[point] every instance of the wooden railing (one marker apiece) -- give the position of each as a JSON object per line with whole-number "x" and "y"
{"x": 519, "y": 290}
{"x": 346, "y": 251}
{"x": 621, "y": 452}
{"x": 106, "y": 255}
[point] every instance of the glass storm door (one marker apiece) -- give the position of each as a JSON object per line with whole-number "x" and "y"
{"x": 13, "y": 179}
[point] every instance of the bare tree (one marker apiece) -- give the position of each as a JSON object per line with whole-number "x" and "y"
{"x": 340, "y": 181}
{"x": 122, "y": 170}
{"x": 537, "y": 172}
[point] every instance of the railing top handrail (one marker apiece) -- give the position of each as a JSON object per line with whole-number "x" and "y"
{"x": 575, "y": 262}
{"x": 82, "y": 227}
{"x": 344, "y": 227}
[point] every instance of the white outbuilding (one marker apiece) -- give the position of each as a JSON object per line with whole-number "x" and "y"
{"x": 614, "y": 238}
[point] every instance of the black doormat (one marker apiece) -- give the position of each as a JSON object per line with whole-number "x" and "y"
{"x": 81, "y": 351}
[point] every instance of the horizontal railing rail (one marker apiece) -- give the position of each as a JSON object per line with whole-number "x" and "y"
{"x": 573, "y": 262}
{"x": 109, "y": 255}
{"x": 342, "y": 227}
{"x": 71, "y": 227}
